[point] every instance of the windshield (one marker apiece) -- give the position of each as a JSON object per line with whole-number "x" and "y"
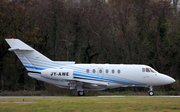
{"x": 148, "y": 70}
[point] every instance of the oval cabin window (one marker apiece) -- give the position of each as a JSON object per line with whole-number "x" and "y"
{"x": 94, "y": 71}
{"x": 119, "y": 71}
{"x": 107, "y": 71}
{"x": 113, "y": 71}
{"x": 87, "y": 70}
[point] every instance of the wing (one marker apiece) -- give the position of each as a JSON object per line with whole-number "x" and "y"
{"x": 91, "y": 84}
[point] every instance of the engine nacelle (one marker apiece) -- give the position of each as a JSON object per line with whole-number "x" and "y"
{"x": 58, "y": 74}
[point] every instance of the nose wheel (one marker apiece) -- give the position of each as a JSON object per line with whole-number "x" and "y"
{"x": 151, "y": 93}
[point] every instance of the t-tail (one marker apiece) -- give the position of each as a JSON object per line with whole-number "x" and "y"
{"x": 32, "y": 59}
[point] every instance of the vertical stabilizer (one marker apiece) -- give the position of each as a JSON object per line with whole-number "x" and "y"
{"x": 30, "y": 58}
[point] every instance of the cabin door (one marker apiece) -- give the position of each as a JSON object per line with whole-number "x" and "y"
{"x": 100, "y": 72}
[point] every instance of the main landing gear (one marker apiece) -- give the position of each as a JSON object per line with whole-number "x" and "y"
{"x": 80, "y": 90}
{"x": 81, "y": 93}
{"x": 151, "y": 93}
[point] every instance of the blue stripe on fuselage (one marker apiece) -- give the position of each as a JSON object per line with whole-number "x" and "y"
{"x": 129, "y": 82}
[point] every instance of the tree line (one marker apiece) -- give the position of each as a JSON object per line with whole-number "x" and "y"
{"x": 92, "y": 31}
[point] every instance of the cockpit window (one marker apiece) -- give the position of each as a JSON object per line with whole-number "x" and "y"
{"x": 153, "y": 71}
{"x": 148, "y": 70}
{"x": 143, "y": 70}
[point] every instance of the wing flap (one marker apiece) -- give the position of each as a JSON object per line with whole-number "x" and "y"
{"x": 92, "y": 82}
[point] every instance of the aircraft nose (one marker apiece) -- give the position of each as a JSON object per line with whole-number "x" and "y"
{"x": 168, "y": 79}
{"x": 171, "y": 80}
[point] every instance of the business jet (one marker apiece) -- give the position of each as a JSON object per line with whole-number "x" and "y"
{"x": 67, "y": 74}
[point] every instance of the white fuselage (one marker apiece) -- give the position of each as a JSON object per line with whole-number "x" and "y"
{"x": 113, "y": 74}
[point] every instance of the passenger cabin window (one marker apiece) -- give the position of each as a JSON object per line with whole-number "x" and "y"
{"x": 113, "y": 71}
{"x": 94, "y": 71}
{"x": 87, "y": 70}
{"x": 118, "y": 71}
{"x": 107, "y": 71}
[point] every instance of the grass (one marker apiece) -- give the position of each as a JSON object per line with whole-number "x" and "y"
{"x": 24, "y": 93}
{"x": 92, "y": 104}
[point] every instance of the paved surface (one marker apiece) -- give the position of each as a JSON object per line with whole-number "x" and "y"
{"x": 136, "y": 96}
{"x": 30, "y": 96}
{"x": 78, "y": 96}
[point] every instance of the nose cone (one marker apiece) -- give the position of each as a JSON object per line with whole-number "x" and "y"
{"x": 167, "y": 79}
{"x": 171, "y": 80}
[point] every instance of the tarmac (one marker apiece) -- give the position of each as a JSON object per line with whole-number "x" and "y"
{"x": 81, "y": 96}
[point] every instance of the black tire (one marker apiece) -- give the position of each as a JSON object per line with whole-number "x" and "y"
{"x": 151, "y": 93}
{"x": 80, "y": 93}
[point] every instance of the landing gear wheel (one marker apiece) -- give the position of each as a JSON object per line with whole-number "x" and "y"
{"x": 80, "y": 93}
{"x": 151, "y": 93}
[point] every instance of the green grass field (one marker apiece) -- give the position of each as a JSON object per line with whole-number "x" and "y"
{"x": 91, "y": 104}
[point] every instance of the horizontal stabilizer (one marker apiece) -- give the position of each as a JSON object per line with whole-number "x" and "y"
{"x": 16, "y": 49}
{"x": 17, "y": 44}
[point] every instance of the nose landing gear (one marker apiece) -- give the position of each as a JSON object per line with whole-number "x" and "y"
{"x": 151, "y": 93}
